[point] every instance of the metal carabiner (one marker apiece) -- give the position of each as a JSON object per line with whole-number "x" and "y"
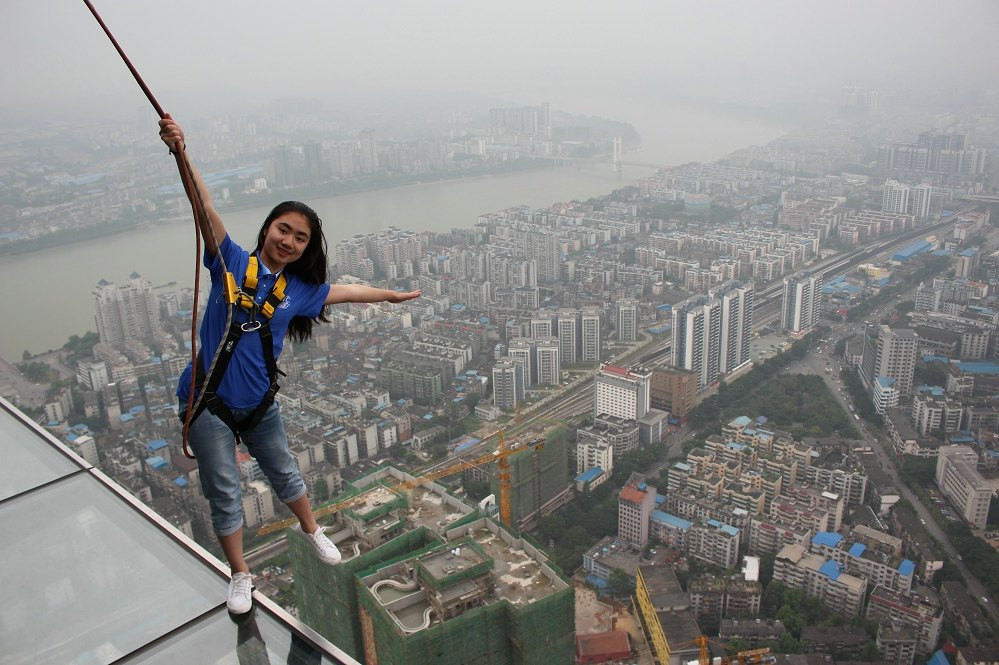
{"x": 252, "y": 324}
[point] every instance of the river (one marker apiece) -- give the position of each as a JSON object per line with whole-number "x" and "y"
{"x": 48, "y": 294}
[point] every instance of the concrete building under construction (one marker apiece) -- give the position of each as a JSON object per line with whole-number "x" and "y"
{"x": 539, "y": 481}
{"x": 428, "y": 579}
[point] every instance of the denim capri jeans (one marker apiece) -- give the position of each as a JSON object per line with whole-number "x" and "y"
{"x": 214, "y": 446}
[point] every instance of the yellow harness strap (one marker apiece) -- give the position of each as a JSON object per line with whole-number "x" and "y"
{"x": 244, "y": 297}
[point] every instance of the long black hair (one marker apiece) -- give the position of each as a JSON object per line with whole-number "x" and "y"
{"x": 310, "y": 267}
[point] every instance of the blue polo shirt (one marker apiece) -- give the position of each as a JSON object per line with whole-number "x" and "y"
{"x": 245, "y": 381}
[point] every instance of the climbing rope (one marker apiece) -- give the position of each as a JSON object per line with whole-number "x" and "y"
{"x": 201, "y": 221}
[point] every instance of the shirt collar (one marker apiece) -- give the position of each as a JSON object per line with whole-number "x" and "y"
{"x": 263, "y": 270}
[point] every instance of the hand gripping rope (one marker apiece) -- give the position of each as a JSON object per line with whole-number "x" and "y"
{"x": 201, "y": 221}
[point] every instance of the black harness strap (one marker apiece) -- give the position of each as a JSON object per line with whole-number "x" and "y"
{"x": 207, "y": 386}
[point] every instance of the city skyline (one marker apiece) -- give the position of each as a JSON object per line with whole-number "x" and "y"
{"x": 709, "y": 322}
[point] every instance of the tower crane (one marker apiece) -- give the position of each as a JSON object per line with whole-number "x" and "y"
{"x": 750, "y": 657}
{"x": 501, "y": 456}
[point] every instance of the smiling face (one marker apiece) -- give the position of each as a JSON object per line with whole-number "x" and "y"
{"x": 285, "y": 240}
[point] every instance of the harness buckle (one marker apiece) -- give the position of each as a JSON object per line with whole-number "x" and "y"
{"x": 250, "y": 325}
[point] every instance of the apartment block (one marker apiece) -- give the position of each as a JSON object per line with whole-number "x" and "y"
{"x": 621, "y": 392}
{"x": 822, "y": 578}
{"x": 960, "y": 481}
{"x": 635, "y": 504}
{"x": 910, "y": 610}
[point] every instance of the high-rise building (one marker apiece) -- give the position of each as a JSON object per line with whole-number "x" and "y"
{"x": 590, "y": 339}
{"x": 548, "y": 356}
{"x": 126, "y": 312}
{"x": 802, "y": 304}
{"x": 522, "y": 351}
{"x": 368, "y": 151}
{"x": 712, "y": 334}
{"x": 540, "y": 481}
{"x": 508, "y": 383}
{"x": 934, "y": 152}
{"x": 542, "y": 327}
{"x": 865, "y": 99}
{"x": 892, "y": 353}
{"x": 432, "y": 587}
{"x": 674, "y": 391}
{"x": 594, "y": 453}
{"x": 895, "y": 197}
{"x": 313, "y": 162}
{"x": 959, "y": 479}
{"x": 627, "y": 321}
{"x": 567, "y": 326}
{"x": 343, "y": 160}
{"x": 621, "y": 392}
{"x": 529, "y": 121}
{"x": 920, "y": 197}
{"x": 284, "y": 167}
{"x": 902, "y": 199}
{"x": 92, "y": 374}
{"x": 543, "y": 248}
{"x": 635, "y": 504}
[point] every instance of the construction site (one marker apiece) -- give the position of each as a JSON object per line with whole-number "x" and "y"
{"x": 426, "y": 578}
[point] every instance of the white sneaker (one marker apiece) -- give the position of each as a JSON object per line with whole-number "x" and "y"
{"x": 325, "y": 548}
{"x": 240, "y": 597}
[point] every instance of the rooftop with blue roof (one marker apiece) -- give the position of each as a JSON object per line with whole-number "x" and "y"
{"x": 930, "y": 358}
{"x": 977, "y": 366}
{"x": 857, "y": 549}
{"x": 827, "y": 538}
{"x": 741, "y": 421}
{"x": 670, "y": 520}
{"x": 885, "y": 381}
{"x": 156, "y": 444}
{"x": 831, "y": 569}
{"x": 907, "y": 568}
{"x": 915, "y": 248}
{"x": 157, "y": 462}
{"x": 590, "y": 474}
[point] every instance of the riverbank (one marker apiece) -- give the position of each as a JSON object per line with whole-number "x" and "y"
{"x": 381, "y": 182}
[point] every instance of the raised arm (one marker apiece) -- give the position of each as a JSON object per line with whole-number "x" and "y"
{"x": 340, "y": 293}
{"x": 173, "y": 136}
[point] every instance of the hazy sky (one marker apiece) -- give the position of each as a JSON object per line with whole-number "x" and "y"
{"x": 226, "y": 51}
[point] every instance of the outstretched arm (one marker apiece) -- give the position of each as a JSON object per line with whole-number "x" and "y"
{"x": 212, "y": 229}
{"x": 340, "y": 293}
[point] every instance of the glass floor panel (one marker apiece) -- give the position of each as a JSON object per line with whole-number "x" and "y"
{"x": 28, "y": 461}
{"x": 220, "y": 640}
{"x": 88, "y": 579}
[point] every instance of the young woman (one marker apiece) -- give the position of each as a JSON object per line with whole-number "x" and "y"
{"x": 289, "y": 265}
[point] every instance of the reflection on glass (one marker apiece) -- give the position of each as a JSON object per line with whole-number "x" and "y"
{"x": 256, "y": 639}
{"x": 27, "y": 463}
{"x": 88, "y": 580}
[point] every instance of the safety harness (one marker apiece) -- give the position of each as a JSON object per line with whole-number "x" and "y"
{"x": 259, "y": 320}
